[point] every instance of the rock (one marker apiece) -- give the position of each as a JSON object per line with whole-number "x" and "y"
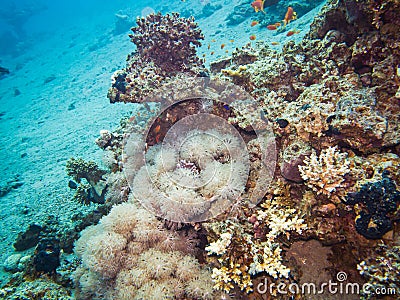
{"x": 11, "y": 263}
{"x": 47, "y": 256}
{"x": 290, "y": 169}
{"x": 4, "y": 71}
{"x": 72, "y": 185}
{"x": 23, "y": 262}
{"x": 29, "y": 238}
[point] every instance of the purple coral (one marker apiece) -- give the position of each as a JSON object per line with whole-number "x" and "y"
{"x": 168, "y": 41}
{"x": 166, "y": 45}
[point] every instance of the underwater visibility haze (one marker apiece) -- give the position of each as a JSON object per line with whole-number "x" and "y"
{"x": 199, "y": 149}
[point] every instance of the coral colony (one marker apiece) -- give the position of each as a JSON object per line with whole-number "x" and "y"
{"x": 331, "y": 108}
{"x": 221, "y": 171}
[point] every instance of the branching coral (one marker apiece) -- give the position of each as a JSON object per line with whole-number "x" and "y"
{"x": 77, "y": 168}
{"x": 249, "y": 247}
{"x": 325, "y": 173}
{"x": 166, "y": 45}
{"x": 168, "y": 41}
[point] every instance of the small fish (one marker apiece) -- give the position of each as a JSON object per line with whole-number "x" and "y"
{"x": 232, "y": 41}
{"x": 272, "y": 27}
{"x": 212, "y": 52}
{"x": 277, "y": 24}
{"x": 222, "y": 46}
{"x": 274, "y": 43}
{"x": 252, "y": 37}
{"x": 158, "y": 138}
{"x": 254, "y": 23}
{"x": 209, "y": 46}
{"x": 204, "y": 55}
{"x": 157, "y": 129}
{"x": 258, "y": 5}
{"x": 213, "y": 41}
{"x": 226, "y": 106}
{"x": 289, "y": 16}
{"x": 226, "y": 51}
{"x": 291, "y": 32}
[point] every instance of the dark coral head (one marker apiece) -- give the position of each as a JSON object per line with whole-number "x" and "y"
{"x": 167, "y": 40}
{"x": 377, "y": 201}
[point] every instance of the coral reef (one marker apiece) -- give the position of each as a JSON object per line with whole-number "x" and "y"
{"x": 332, "y": 103}
{"x": 248, "y": 244}
{"x": 38, "y": 289}
{"x": 166, "y": 45}
{"x": 28, "y": 238}
{"x": 46, "y": 258}
{"x": 381, "y": 271}
{"x": 130, "y": 255}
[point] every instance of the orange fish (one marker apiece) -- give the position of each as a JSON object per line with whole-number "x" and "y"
{"x": 157, "y": 129}
{"x": 274, "y": 43}
{"x": 277, "y": 24}
{"x": 212, "y": 52}
{"x": 226, "y": 51}
{"x": 222, "y": 46}
{"x": 254, "y": 23}
{"x": 258, "y": 5}
{"x": 231, "y": 41}
{"x": 272, "y": 27}
{"x": 158, "y": 138}
{"x": 289, "y": 16}
{"x": 209, "y": 46}
{"x": 291, "y": 32}
{"x": 252, "y": 37}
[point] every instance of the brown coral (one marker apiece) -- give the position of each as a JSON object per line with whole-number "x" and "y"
{"x": 166, "y": 45}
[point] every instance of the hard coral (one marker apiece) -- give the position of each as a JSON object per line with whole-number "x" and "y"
{"x": 248, "y": 246}
{"x": 324, "y": 173}
{"x": 95, "y": 188}
{"x": 168, "y": 41}
{"x": 382, "y": 271}
{"x": 166, "y": 45}
{"x": 377, "y": 199}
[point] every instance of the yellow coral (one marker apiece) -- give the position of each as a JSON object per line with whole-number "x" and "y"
{"x": 325, "y": 173}
{"x": 219, "y": 247}
{"x": 269, "y": 261}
